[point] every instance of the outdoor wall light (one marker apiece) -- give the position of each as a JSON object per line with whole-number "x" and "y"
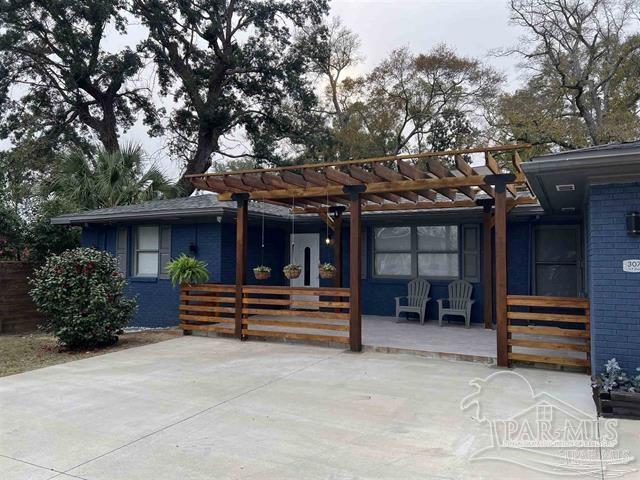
{"x": 193, "y": 248}
{"x": 633, "y": 223}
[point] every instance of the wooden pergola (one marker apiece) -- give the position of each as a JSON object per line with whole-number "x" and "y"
{"x": 433, "y": 180}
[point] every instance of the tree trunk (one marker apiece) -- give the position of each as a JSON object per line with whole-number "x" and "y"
{"x": 201, "y": 160}
{"x": 108, "y": 136}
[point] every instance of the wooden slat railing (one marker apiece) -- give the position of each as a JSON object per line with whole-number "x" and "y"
{"x": 549, "y": 330}
{"x": 207, "y": 307}
{"x": 276, "y": 312}
{"x": 268, "y": 311}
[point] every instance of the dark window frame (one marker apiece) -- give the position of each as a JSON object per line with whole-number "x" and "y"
{"x": 578, "y": 261}
{"x": 375, "y": 251}
{"x": 457, "y": 251}
{"x": 414, "y": 252}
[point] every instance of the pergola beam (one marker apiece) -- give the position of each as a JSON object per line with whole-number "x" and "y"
{"x": 468, "y": 171}
{"x": 406, "y": 206}
{"x": 389, "y": 175}
{"x": 440, "y": 171}
{"x": 373, "y": 160}
{"x": 372, "y": 188}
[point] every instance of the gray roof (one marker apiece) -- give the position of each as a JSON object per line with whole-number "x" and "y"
{"x": 561, "y": 180}
{"x": 198, "y": 205}
{"x": 207, "y": 206}
{"x": 614, "y": 148}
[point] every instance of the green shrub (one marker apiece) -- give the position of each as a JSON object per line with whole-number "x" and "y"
{"x": 80, "y": 293}
{"x": 44, "y": 239}
{"x": 11, "y": 234}
{"x": 185, "y": 269}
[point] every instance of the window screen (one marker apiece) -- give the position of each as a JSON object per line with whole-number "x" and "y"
{"x": 438, "y": 251}
{"x": 557, "y": 259}
{"x": 392, "y": 251}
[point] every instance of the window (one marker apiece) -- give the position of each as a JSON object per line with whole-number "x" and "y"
{"x": 438, "y": 251}
{"x": 147, "y": 251}
{"x": 392, "y": 251}
{"x": 557, "y": 261}
{"x": 152, "y": 251}
{"x": 426, "y": 251}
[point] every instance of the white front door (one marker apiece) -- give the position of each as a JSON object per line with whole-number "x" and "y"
{"x": 305, "y": 251}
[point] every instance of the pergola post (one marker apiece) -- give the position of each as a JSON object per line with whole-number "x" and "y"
{"x": 355, "y": 266}
{"x": 487, "y": 259}
{"x": 337, "y": 242}
{"x": 500, "y": 182}
{"x": 242, "y": 200}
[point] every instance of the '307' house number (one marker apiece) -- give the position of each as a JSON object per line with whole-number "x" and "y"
{"x": 631, "y": 266}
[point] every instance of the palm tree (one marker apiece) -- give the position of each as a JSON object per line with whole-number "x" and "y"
{"x": 109, "y": 179}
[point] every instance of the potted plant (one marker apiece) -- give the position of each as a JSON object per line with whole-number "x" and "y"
{"x": 327, "y": 270}
{"x": 186, "y": 270}
{"x": 615, "y": 394}
{"x": 262, "y": 272}
{"x": 292, "y": 271}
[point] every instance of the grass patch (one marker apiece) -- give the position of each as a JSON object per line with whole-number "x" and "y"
{"x": 24, "y": 352}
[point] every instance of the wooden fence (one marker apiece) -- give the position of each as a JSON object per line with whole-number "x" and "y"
{"x": 291, "y": 313}
{"x": 549, "y": 330}
{"x": 18, "y": 313}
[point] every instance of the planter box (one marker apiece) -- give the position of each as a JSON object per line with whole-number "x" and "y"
{"x": 617, "y": 404}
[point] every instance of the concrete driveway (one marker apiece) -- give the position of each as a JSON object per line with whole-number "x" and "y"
{"x": 206, "y": 408}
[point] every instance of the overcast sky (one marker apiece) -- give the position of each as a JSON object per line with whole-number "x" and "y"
{"x": 471, "y": 27}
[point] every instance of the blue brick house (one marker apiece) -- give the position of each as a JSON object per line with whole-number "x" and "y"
{"x": 573, "y": 242}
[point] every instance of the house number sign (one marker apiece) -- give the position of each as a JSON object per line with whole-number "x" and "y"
{"x": 631, "y": 266}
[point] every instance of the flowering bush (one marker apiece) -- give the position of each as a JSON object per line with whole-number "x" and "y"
{"x": 80, "y": 293}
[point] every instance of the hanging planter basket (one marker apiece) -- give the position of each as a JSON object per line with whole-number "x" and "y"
{"x": 262, "y": 272}
{"x": 327, "y": 271}
{"x": 292, "y": 271}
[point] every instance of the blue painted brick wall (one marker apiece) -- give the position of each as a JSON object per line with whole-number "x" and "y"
{"x": 614, "y": 294}
{"x": 157, "y": 298}
{"x": 216, "y": 243}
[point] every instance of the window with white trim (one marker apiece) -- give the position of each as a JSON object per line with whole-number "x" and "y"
{"x": 147, "y": 251}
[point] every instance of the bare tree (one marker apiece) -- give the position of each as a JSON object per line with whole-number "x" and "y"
{"x": 412, "y": 103}
{"x": 581, "y": 47}
{"x": 339, "y": 52}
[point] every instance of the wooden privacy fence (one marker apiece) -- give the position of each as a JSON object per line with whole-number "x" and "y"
{"x": 550, "y": 330}
{"x": 18, "y": 313}
{"x": 291, "y": 313}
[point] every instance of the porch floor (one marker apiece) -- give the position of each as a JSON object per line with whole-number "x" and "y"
{"x": 451, "y": 340}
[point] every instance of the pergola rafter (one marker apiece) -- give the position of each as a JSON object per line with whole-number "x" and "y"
{"x": 399, "y": 183}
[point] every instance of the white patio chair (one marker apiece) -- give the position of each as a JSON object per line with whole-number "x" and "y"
{"x": 458, "y": 303}
{"x": 416, "y": 299}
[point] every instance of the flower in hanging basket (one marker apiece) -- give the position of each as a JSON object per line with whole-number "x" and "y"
{"x": 292, "y": 271}
{"x": 327, "y": 270}
{"x": 262, "y": 272}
